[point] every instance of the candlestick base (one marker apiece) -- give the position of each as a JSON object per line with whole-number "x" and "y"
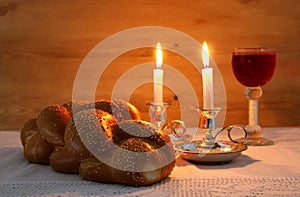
{"x": 158, "y": 114}
{"x": 209, "y": 150}
{"x": 208, "y": 125}
{"x": 224, "y": 152}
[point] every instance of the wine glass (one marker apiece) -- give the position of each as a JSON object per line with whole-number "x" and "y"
{"x": 254, "y": 67}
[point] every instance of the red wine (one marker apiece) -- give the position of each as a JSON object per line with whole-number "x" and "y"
{"x": 253, "y": 69}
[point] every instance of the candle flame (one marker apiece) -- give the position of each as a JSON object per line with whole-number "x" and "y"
{"x": 205, "y": 55}
{"x": 159, "y": 56}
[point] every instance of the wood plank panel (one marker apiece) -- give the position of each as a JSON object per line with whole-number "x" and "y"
{"x": 42, "y": 44}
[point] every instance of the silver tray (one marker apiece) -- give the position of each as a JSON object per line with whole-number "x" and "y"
{"x": 224, "y": 152}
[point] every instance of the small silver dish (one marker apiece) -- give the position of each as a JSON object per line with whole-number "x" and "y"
{"x": 223, "y": 152}
{"x": 209, "y": 150}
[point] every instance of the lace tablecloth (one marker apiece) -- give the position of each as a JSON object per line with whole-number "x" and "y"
{"x": 259, "y": 171}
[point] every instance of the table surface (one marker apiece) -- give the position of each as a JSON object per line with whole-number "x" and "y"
{"x": 259, "y": 171}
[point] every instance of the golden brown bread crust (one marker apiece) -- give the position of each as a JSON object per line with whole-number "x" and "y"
{"x": 139, "y": 129}
{"x": 37, "y": 150}
{"x": 141, "y": 170}
{"x": 77, "y": 105}
{"x": 120, "y": 109}
{"x": 73, "y": 142}
{"x": 139, "y": 161}
{"x": 134, "y": 152}
{"x": 52, "y": 122}
{"x": 64, "y": 160}
{"x": 88, "y": 121}
{"x": 123, "y": 110}
{"x": 29, "y": 128}
{"x": 94, "y": 170}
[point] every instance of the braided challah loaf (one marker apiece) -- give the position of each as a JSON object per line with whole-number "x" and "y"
{"x": 104, "y": 141}
{"x": 138, "y": 155}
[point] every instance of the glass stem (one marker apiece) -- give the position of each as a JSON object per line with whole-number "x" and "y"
{"x": 253, "y": 94}
{"x": 253, "y": 112}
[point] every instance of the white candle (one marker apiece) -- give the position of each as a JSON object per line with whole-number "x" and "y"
{"x": 207, "y": 80}
{"x": 158, "y": 76}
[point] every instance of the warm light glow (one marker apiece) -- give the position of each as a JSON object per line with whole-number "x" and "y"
{"x": 205, "y": 55}
{"x": 159, "y": 56}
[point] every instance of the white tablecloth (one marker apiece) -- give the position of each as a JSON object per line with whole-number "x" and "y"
{"x": 259, "y": 171}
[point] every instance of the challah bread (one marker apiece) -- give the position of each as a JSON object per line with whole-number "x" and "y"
{"x": 52, "y": 122}
{"x": 142, "y": 130}
{"x": 36, "y": 149}
{"x": 142, "y": 169}
{"x": 72, "y": 140}
{"x": 85, "y": 112}
{"x": 29, "y": 128}
{"x": 67, "y": 159}
{"x": 138, "y": 161}
{"x": 104, "y": 141}
{"x": 121, "y": 110}
{"x": 145, "y": 131}
{"x": 94, "y": 170}
{"x": 75, "y": 105}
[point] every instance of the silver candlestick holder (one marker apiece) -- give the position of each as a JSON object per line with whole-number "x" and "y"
{"x": 208, "y": 125}
{"x": 158, "y": 114}
{"x": 209, "y": 150}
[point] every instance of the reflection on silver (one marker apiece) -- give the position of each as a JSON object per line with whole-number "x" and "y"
{"x": 224, "y": 152}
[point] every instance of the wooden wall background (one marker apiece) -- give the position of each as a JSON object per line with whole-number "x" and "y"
{"x": 42, "y": 44}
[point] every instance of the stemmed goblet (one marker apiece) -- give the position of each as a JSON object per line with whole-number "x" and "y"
{"x": 253, "y": 68}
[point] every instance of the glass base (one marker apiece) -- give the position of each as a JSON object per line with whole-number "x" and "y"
{"x": 258, "y": 141}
